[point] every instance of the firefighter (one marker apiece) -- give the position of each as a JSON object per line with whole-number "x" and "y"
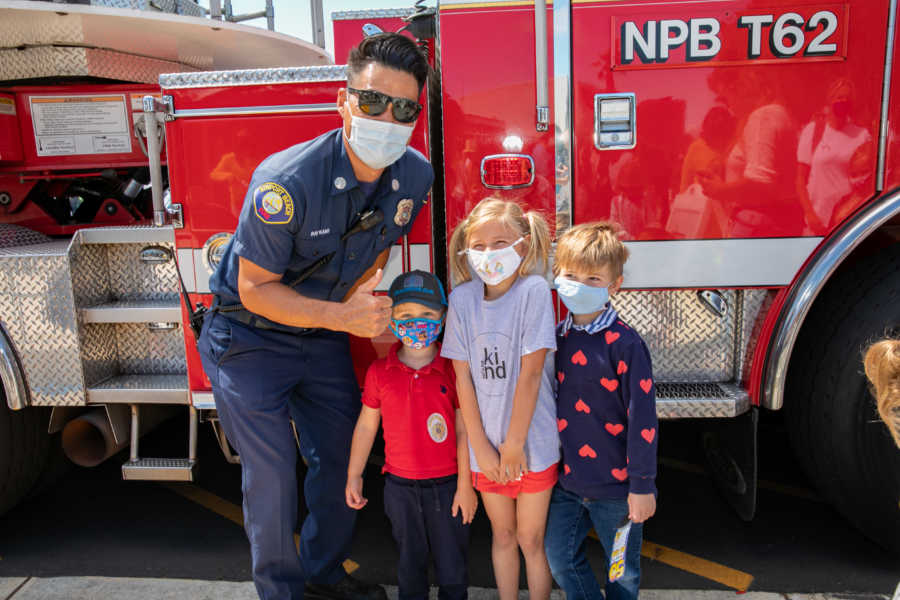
{"x": 316, "y": 225}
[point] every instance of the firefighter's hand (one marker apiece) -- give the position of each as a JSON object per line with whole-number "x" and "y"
{"x": 641, "y": 507}
{"x": 365, "y": 314}
{"x": 353, "y": 492}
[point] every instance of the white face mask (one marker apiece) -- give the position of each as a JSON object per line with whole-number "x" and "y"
{"x": 494, "y": 266}
{"x": 377, "y": 143}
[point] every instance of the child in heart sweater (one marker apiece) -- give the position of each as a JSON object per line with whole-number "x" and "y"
{"x": 606, "y": 413}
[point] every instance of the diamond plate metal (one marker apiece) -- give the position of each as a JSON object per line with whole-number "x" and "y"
{"x": 159, "y": 469}
{"x": 152, "y": 352}
{"x": 756, "y": 305}
{"x": 687, "y": 342}
{"x": 14, "y": 235}
{"x": 148, "y": 389}
{"x": 171, "y": 81}
{"x": 70, "y": 61}
{"x": 186, "y": 7}
{"x": 43, "y": 287}
{"x": 90, "y": 281}
{"x": 23, "y": 28}
{"x": 682, "y": 401}
{"x": 385, "y": 13}
{"x": 37, "y": 309}
{"x": 98, "y": 352}
{"x": 132, "y": 279}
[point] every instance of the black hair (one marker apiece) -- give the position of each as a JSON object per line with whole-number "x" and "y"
{"x": 391, "y": 50}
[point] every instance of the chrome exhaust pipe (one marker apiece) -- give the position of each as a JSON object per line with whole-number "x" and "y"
{"x": 88, "y": 440}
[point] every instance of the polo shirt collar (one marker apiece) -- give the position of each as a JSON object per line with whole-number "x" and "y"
{"x": 437, "y": 363}
{"x": 342, "y": 171}
{"x": 602, "y": 321}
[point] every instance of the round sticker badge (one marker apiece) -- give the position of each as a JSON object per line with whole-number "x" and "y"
{"x": 404, "y": 212}
{"x": 437, "y": 427}
{"x": 272, "y": 204}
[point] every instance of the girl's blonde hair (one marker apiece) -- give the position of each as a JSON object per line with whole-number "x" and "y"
{"x": 882, "y": 365}
{"x": 510, "y": 214}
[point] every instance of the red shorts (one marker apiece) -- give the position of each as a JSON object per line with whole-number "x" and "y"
{"x": 530, "y": 483}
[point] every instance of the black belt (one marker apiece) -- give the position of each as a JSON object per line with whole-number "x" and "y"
{"x": 236, "y": 312}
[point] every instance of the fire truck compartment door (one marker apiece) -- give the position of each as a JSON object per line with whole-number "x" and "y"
{"x": 756, "y": 117}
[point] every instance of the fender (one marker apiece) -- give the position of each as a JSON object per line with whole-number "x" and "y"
{"x": 11, "y": 374}
{"x": 812, "y": 279}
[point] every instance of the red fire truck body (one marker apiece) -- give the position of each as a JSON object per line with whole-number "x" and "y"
{"x": 748, "y": 148}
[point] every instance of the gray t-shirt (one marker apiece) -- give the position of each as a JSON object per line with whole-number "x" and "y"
{"x": 492, "y": 336}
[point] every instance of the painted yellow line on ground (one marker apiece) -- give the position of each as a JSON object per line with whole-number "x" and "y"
{"x": 707, "y": 569}
{"x": 230, "y": 511}
{"x": 698, "y": 566}
{"x": 763, "y": 484}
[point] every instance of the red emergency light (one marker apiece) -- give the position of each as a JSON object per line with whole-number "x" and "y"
{"x": 507, "y": 171}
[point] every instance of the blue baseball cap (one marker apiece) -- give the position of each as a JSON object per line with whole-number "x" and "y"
{"x": 421, "y": 287}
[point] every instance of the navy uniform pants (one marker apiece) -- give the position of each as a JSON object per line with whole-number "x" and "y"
{"x": 423, "y": 525}
{"x": 260, "y": 380}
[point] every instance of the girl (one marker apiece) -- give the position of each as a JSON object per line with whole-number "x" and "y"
{"x": 882, "y": 365}
{"x": 500, "y": 336}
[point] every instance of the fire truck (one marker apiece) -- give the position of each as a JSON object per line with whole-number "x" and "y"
{"x": 748, "y": 148}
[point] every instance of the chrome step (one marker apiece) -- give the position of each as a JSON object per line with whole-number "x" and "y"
{"x": 133, "y": 311}
{"x": 159, "y": 469}
{"x": 141, "y": 389}
{"x": 136, "y": 234}
{"x": 700, "y": 400}
{"x": 203, "y": 400}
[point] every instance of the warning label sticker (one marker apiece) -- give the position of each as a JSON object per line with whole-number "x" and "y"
{"x": 7, "y": 106}
{"x": 80, "y": 125}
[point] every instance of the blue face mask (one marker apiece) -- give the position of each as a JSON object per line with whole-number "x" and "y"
{"x": 580, "y": 298}
{"x": 416, "y": 333}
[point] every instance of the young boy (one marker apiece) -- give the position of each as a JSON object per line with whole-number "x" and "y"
{"x": 606, "y": 412}
{"x": 428, "y": 493}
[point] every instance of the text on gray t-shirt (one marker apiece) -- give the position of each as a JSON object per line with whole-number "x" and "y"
{"x": 493, "y": 336}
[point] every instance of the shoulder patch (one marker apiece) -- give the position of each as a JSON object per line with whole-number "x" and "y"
{"x": 272, "y": 204}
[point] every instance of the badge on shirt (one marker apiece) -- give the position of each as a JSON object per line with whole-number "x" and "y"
{"x": 404, "y": 212}
{"x": 272, "y": 204}
{"x": 437, "y": 427}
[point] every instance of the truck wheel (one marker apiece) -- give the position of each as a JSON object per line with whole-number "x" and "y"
{"x": 831, "y": 417}
{"x": 24, "y": 448}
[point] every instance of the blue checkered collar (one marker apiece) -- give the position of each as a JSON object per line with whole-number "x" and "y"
{"x": 603, "y": 321}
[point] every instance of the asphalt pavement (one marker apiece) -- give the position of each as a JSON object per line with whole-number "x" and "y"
{"x": 92, "y": 535}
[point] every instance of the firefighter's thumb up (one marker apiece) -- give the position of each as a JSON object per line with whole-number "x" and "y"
{"x": 369, "y": 285}
{"x": 367, "y": 315}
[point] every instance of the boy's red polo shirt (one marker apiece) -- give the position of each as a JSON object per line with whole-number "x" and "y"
{"x": 418, "y": 415}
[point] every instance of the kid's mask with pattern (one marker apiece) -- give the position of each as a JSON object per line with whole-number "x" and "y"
{"x": 494, "y": 266}
{"x": 416, "y": 333}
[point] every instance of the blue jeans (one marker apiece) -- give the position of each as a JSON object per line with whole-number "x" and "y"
{"x": 568, "y": 524}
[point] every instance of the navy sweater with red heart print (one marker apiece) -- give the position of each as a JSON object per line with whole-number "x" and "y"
{"x": 606, "y": 412}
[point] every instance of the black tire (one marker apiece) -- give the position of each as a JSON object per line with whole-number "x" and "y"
{"x": 831, "y": 417}
{"x": 24, "y": 450}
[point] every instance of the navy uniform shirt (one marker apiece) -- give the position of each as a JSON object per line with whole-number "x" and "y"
{"x": 299, "y": 204}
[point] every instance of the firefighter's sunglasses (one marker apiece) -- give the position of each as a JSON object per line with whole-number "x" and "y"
{"x": 374, "y": 103}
